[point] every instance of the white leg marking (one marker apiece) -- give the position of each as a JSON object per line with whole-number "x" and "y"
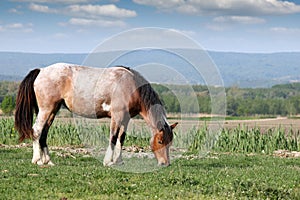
{"x": 117, "y": 158}
{"x": 109, "y": 155}
{"x": 36, "y": 158}
{"x": 46, "y": 157}
{"x": 40, "y": 156}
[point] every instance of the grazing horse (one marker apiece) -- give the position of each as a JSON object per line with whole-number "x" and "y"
{"x": 117, "y": 92}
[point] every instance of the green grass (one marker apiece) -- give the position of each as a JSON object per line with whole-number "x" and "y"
{"x": 8, "y": 134}
{"x": 242, "y": 139}
{"x": 231, "y": 175}
{"x": 220, "y": 176}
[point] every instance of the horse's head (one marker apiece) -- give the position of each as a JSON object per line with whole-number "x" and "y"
{"x": 161, "y": 142}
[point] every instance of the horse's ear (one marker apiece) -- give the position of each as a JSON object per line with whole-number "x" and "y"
{"x": 174, "y": 125}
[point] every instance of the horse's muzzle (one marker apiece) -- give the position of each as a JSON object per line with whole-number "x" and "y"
{"x": 163, "y": 164}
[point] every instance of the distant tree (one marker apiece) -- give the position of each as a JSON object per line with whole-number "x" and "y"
{"x": 8, "y": 105}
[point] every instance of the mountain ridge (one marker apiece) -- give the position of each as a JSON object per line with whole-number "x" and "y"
{"x": 236, "y": 69}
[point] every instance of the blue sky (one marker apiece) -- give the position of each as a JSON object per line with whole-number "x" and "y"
{"x": 78, "y": 26}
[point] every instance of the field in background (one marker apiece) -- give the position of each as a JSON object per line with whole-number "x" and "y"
{"x": 242, "y": 136}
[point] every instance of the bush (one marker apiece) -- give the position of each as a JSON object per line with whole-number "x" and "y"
{"x": 8, "y": 105}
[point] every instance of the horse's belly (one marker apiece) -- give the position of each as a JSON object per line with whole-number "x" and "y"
{"x": 89, "y": 108}
{"x": 85, "y": 113}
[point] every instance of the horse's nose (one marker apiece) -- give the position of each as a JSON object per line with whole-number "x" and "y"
{"x": 163, "y": 164}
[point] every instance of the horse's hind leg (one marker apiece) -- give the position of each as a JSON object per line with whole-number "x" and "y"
{"x": 38, "y": 127}
{"x": 45, "y": 157}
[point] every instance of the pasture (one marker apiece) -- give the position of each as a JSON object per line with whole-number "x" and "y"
{"x": 241, "y": 165}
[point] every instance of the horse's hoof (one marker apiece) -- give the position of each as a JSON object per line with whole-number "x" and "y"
{"x": 107, "y": 164}
{"x": 35, "y": 161}
{"x": 110, "y": 164}
{"x": 39, "y": 162}
{"x": 50, "y": 163}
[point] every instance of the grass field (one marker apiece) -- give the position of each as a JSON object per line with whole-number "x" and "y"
{"x": 241, "y": 165}
{"x": 218, "y": 176}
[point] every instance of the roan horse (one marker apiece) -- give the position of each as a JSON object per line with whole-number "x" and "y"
{"x": 117, "y": 92}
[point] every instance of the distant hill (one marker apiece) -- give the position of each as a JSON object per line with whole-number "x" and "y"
{"x": 236, "y": 69}
{"x": 258, "y": 70}
{"x": 16, "y": 65}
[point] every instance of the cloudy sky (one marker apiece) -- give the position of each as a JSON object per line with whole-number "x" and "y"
{"x": 78, "y": 26}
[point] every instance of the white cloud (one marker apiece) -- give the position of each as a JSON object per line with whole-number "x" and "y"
{"x": 285, "y": 30}
{"x": 14, "y": 10}
{"x": 161, "y": 4}
{"x": 239, "y": 19}
{"x": 87, "y": 11}
{"x": 89, "y": 15}
{"x": 225, "y": 7}
{"x": 188, "y": 9}
{"x": 222, "y": 23}
{"x": 96, "y": 22}
{"x": 41, "y": 8}
{"x": 16, "y": 27}
{"x": 56, "y": 1}
{"x": 95, "y": 11}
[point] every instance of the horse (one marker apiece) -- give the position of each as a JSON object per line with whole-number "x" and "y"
{"x": 118, "y": 93}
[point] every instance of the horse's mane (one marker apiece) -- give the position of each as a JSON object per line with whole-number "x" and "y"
{"x": 148, "y": 95}
{"x": 150, "y": 99}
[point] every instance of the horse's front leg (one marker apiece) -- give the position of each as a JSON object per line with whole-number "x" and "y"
{"x": 108, "y": 158}
{"x": 113, "y": 155}
{"x": 117, "y": 157}
{"x": 109, "y": 155}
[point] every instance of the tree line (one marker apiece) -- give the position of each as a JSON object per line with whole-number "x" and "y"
{"x": 279, "y": 100}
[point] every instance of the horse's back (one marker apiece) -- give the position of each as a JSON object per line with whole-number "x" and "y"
{"x": 86, "y": 91}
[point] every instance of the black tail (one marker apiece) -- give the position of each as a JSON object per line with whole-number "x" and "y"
{"x": 26, "y": 105}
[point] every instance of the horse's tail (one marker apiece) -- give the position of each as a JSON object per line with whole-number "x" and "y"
{"x": 26, "y": 104}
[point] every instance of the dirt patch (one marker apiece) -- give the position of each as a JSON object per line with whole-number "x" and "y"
{"x": 280, "y": 122}
{"x": 286, "y": 154}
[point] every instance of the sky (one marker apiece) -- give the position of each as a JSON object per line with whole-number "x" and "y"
{"x": 78, "y": 26}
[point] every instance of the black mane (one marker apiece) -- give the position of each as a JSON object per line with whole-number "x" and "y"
{"x": 147, "y": 93}
{"x": 128, "y": 68}
{"x": 150, "y": 100}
